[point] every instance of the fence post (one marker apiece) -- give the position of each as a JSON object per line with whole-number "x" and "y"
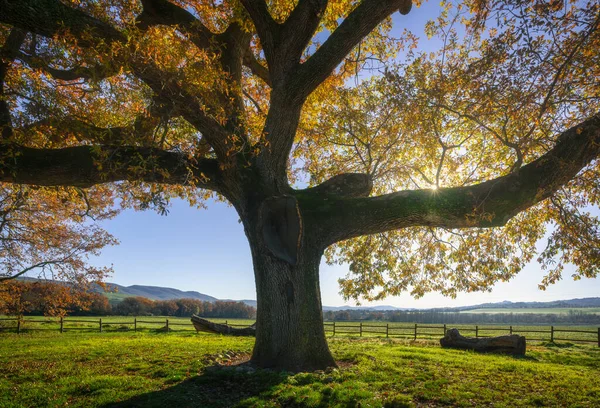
{"x": 334, "y": 327}
{"x": 551, "y": 334}
{"x": 61, "y": 324}
{"x": 415, "y": 331}
{"x": 360, "y": 329}
{"x": 167, "y": 325}
{"x": 100, "y": 323}
{"x": 18, "y": 326}
{"x": 476, "y": 331}
{"x": 444, "y": 329}
{"x": 387, "y": 332}
{"x": 135, "y": 324}
{"x": 510, "y": 329}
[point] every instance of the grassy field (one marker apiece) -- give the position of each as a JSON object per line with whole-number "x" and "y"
{"x": 185, "y": 369}
{"x": 541, "y": 310}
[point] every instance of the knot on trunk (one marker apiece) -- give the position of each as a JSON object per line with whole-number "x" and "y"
{"x": 404, "y": 6}
{"x": 348, "y": 185}
{"x": 281, "y": 225}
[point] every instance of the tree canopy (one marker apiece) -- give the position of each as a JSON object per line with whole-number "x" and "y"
{"x": 426, "y": 171}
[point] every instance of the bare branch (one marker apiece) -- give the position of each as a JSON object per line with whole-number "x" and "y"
{"x": 30, "y": 268}
{"x": 48, "y": 17}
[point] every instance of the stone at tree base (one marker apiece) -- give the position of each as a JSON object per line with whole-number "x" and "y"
{"x": 511, "y": 344}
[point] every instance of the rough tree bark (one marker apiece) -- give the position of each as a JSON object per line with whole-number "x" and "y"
{"x": 289, "y": 325}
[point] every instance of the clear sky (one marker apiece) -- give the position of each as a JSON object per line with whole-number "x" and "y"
{"x": 206, "y": 250}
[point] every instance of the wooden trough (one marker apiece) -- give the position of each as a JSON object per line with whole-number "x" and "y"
{"x": 203, "y": 325}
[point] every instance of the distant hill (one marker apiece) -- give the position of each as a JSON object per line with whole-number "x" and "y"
{"x": 569, "y": 303}
{"x": 154, "y": 293}
{"x": 372, "y": 308}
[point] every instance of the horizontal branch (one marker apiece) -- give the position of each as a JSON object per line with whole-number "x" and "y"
{"x": 489, "y": 204}
{"x": 85, "y": 166}
{"x": 50, "y": 17}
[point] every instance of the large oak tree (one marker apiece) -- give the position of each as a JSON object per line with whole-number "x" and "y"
{"x": 426, "y": 171}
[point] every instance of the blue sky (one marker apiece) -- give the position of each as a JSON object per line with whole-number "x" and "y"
{"x": 206, "y": 250}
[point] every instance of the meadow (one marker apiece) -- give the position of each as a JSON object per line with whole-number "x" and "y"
{"x": 150, "y": 368}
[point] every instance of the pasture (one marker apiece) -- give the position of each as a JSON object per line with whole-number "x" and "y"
{"x": 150, "y": 368}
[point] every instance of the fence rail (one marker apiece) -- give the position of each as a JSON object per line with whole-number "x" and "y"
{"x": 414, "y": 331}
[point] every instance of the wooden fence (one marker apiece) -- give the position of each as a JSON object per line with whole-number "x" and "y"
{"x": 429, "y": 331}
{"x": 371, "y": 329}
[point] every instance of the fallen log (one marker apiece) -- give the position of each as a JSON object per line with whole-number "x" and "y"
{"x": 207, "y": 326}
{"x": 511, "y": 344}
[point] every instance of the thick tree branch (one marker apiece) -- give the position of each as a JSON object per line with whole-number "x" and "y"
{"x": 85, "y": 166}
{"x": 163, "y": 12}
{"x": 297, "y": 31}
{"x": 489, "y": 204}
{"x": 266, "y": 28}
{"x": 8, "y": 53}
{"x": 50, "y": 17}
{"x": 292, "y": 84}
{"x": 347, "y": 185}
{"x": 353, "y": 29}
{"x": 141, "y": 132}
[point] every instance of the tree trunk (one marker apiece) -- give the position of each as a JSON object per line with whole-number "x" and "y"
{"x": 289, "y": 324}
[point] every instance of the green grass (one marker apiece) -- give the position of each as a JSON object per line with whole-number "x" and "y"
{"x": 541, "y": 310}
{"x": 49, "y": 369}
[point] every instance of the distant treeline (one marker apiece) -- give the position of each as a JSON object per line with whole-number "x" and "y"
{"x": 572, "y": 317}
{"x": 51, "y": 299}
{"x": 140, "y": 306}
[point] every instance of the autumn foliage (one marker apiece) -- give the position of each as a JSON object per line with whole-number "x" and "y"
{"x": 22, "y": 298}
{"x": 18, "y": 298}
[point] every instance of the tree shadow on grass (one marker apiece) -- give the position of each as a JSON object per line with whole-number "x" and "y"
{"x": 216, "y": 387}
